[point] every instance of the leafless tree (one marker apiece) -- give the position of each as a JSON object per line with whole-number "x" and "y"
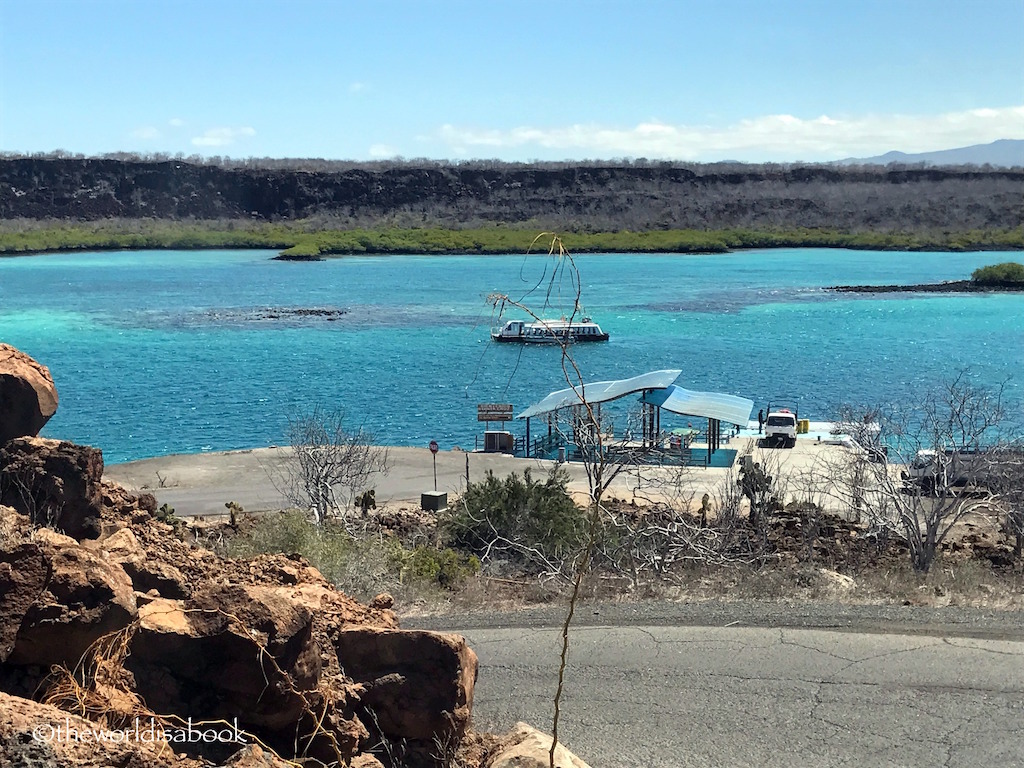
{"x": 1008, "y": 482}
{"x": 682, "y": 521}
{"x": 330, "y": 465}
{"x": 604, "y": 458}
{"x": 918, "y": 472}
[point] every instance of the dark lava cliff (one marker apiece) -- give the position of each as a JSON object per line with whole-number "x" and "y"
{"x": 597, "y": 197}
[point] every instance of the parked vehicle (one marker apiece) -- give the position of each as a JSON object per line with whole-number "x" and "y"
{"x": 780, "y": 427}
{"x": 961, "y": 468}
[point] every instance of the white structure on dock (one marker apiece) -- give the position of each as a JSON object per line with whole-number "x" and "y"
{"x": 658, "y": 390}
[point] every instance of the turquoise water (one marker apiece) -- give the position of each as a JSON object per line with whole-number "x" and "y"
{"x": 176, "y": 352}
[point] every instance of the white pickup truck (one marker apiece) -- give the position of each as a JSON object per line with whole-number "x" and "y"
{"x": 780, "y": 427}
{"x": 931, "y": 470}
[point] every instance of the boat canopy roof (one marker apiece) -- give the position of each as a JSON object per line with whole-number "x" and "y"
{"x": 561, "y": 322}
{"x": 660, "y": 389}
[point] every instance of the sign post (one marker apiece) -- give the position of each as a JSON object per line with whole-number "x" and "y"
{"x": 433, "y": 452}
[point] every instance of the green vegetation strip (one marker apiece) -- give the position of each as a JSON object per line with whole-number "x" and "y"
{"x": 1009, "y": 272}
{"x": 301, "y": 240}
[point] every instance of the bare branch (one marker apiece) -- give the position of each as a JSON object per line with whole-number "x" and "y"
{"x": 330, "y": 465}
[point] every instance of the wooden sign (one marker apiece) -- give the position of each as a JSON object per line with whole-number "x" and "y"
{"x": 494, "y": 412}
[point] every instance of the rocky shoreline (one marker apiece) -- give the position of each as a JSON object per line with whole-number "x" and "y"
{"x": 951, "y": 286}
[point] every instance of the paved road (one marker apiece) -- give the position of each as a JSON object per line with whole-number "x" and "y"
{"x": 670, "y": 696}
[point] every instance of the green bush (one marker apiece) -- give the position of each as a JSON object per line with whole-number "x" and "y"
{"x": 1007, "y": 272}
{"x": 444, "y": 567}
{"x": 292, "y": 532}
{"x": 520, "y": 510}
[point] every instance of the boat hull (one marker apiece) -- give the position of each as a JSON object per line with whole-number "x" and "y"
{"x": 548, "y": 339}
{"x": 549, "y": 332}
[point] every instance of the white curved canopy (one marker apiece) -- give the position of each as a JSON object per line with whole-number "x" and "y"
{"x": 660, "y": 390}
{"x": 707, "y": 405}
{"x": 600, "y": 392}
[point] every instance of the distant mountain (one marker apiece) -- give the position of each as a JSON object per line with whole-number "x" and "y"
{"x": 1005, "y": 153}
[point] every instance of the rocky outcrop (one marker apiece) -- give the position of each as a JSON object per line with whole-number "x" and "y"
{"x": 60, "y": 485}
{"x": 950, "y": 286}
{"x": 84, "y": 598}
{"x": 532, "y": 749}
{"x": 231, "y": 649}
{"x": 136, "y": 621}
{"x": 147, "y": 574}
{"x": 419, "y": 685}
{"x": 58, "y": 598}
{"x": 28, "y": 396}
{"x": 24, "y": 573}
{"x": 55, "y": 483}
{"x": 35, "y": 735}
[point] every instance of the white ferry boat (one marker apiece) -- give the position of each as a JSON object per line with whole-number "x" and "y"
{"x": 550, "y": 331}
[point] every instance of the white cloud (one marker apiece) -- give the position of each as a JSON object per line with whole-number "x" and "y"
{"x": 147, "y": 133}
{"x": 176, "y": 122}
{"x": 222, "y": 137}
{"x": 382, "y": 151}
{"x": 357, "y": 87}
{"x": 764, "y": 138}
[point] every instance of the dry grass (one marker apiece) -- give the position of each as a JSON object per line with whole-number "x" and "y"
{"x": 361, "y": 566}
{"x": 881, "y": 574}
{"x": 969, "y": 583}
{"x": 99, "y": 688}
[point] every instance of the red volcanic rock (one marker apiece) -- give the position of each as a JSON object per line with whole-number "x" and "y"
{"x": 55, "y": 483}
{"x": 248, "y": 652}
{"x": 419, "y": 685}
{"x": 28, "y": 397}
{"x": 63, "y": 598}
{"x": 232, "y": 651}
{"x": 146, "y": 572}
{"x": 29, "y": 737}
{"x": 24, "y": 572}
{"x": 149, "y": 622}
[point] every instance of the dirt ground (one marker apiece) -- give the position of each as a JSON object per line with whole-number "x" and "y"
{"x": 201, "y": 484}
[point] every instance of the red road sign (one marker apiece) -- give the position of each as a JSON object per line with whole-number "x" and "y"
{"x": 433, "y": 446}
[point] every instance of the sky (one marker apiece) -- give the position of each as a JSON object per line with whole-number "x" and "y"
{"x": 512, "y": 80}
